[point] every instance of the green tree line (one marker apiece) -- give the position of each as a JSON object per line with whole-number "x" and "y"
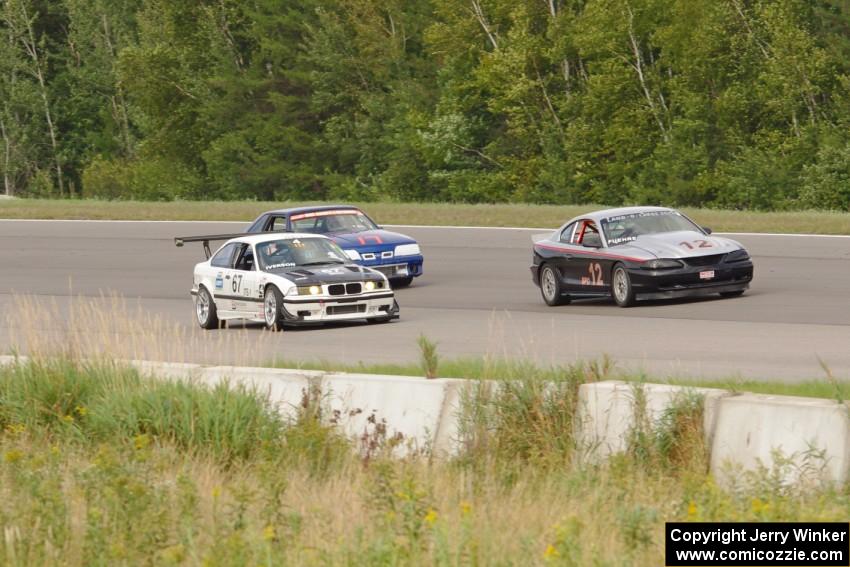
{"x": 723, "y": 103}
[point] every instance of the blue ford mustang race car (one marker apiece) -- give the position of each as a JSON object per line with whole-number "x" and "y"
{"x": 395, "y": 255}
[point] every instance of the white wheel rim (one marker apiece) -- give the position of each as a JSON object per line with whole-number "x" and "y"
{"x": 621, "y": 285}
{"x": 548, "y": 283}
{"x": 270, "y": 308}
{"x": 202, "y": 306}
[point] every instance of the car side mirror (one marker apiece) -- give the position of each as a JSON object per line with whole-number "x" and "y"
{"x": 706, "y": 229}
{"x": 591, "y": 241}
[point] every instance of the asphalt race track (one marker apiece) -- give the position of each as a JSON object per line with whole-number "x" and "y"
{"x": 476, "y": 298}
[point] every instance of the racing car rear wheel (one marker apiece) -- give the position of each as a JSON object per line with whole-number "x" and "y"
{"x": 550, "y": 287}
{"x": 273, "y": 309}
{"x": 205, "y": 309}
{"x": 621, "y": 287}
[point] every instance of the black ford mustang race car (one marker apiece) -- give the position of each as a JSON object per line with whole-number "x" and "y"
{"x": 637, "y": 253}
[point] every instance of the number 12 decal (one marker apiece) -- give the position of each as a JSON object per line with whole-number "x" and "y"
{"x": 699, "y": 244}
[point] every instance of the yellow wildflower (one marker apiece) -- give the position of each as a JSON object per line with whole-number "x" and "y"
{"x": 551, "y": 552}
{"x": 141, "y": 441}
{"x": 174, "y": 554}
{"x": 692, "y": 509}
{"x": 431, "y": 516}
{"x": 13, "y": 456}
{"x": 16, "y": 428}
{"x": 216, "y": 492}
{"x": 465, "y": 508}
{"x": 81, "y": 411}
{"x": 68, "y": 418}
{"x": 268, "y": 533}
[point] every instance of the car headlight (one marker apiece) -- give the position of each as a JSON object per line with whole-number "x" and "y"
{"x": 309, "y": 290}
{"x": 662, "y": 265}
{"x": 291, "y": 291}
{"x": 738, "y": 256}
{"x": 352, "y": 254}
{"x": 407, "y": 250}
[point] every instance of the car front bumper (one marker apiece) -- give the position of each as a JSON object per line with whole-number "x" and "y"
{"x": 344, "y": 309}
{"x": 691, "y": 281}
{"x": 396, "y": 267}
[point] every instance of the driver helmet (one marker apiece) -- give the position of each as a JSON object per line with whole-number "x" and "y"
{"x": 333, "y": 223}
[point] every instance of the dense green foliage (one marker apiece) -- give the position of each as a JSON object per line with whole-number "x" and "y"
{"x": 726, "y": 103}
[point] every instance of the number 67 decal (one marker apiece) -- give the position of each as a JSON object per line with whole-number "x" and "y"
{"x": 699, "y": 244}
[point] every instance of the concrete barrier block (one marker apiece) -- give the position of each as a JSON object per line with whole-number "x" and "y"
{"x": 606, "y": 413}
{"x": 285, "y": 388}
{"x": 167, "y": 370}
{"x": 447, "y": 440}
{"x": 363, "y": 403}
{"x": 12, "y": 360}
{"x": 811, "y": 435}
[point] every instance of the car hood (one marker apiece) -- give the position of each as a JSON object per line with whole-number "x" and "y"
{"x": 369, "y": 238}
{"x": 681, "y": 244}
{"x": 324, "y": 274}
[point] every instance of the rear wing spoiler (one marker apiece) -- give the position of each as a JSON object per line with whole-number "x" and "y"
{"x": 535, "y": 238}
{"x": 181, "y": 240}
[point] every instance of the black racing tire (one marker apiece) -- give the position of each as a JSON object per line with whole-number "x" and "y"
{"x": 550, "y": 287}
{"x": 205, "y": 311}
{"x": 737, "y": 293}
{"x": 401, "y": 282}
{"x": 621, "y": 286}
{"x": 273, "y": 308}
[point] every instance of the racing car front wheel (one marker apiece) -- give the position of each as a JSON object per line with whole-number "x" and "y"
{"x": 273, "y": 309}
{"x": 401, "y": 282}
{"x": 205, "y": 309}
{"x": 550, "y": 287}
{"x": 393, "y": 314}
{"x": 621, "y": 287}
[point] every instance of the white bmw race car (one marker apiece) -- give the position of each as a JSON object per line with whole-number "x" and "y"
{"x": 286, "y": 279}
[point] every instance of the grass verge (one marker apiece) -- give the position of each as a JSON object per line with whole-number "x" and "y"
{"x": 86, "y": 480}
{"x": 440, "y": 214}
{"x": 500, "y": 369}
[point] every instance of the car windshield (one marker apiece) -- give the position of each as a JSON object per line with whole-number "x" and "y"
{"x": 293, "y": 252}
{"x": 323, "y": 222}
{"x": 625, "y": 228}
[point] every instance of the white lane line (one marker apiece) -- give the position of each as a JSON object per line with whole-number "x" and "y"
{"x": 131, "y": 221}
{"x": 550, "y": 229}
{"x": 785, "y": 234}
{"x": 431, "y": 226}
{"x": 556, "y": 228}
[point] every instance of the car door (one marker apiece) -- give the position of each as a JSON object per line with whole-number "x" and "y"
{"x": 564, "y": 261}
{"x": 220, "y": 273}
{"x": 588, "y": 265}
{"x": 244, "y": 283}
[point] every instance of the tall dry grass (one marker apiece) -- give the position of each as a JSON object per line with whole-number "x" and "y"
{"x": 115, "y": 327}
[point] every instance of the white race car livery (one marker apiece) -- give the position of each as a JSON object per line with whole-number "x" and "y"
{"x": 287, "y": 279}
